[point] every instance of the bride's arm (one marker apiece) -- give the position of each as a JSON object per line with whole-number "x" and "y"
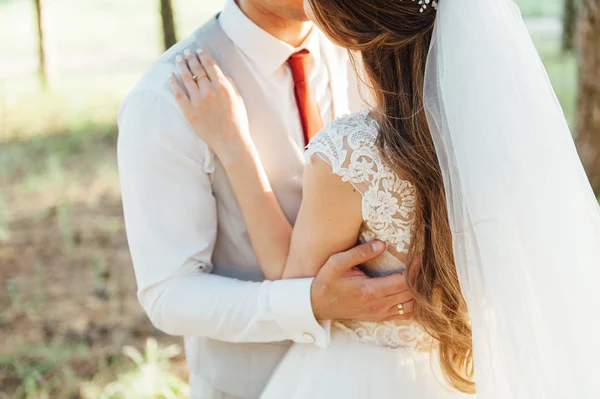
{"x": 329, "y": 218}
{"x": 270, "y": 231}
{"x": 328, "y": 222}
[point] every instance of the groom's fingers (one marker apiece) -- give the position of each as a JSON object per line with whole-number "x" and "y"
{"x": 390, "y": 285}
{"x": 408, "y": 309}
{"x": 394, "y": 300}
{"x": 344, "y": 261}
{"x": 407, "y": 306}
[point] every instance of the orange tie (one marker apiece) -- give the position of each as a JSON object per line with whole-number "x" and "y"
{"x": 310, "y": 116}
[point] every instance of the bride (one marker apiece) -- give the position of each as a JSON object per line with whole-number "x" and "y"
{"x": 465, "y": 167}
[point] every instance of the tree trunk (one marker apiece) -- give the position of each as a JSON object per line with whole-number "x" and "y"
{"x": 569, "y": 25}
{"x": 588, "y": 101}
{"x": 42, "y": 53}
{"x": 168, "y": 23}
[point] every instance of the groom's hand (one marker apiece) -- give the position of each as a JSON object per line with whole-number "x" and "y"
{"x": 341, "y": 291}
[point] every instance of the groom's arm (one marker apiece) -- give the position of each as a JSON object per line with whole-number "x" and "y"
{"x": 171, "y": 222}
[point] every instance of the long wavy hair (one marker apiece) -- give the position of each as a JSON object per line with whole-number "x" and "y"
{"x": 392, "y": 38}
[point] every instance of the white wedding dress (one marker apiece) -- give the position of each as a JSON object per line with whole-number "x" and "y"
{"x": 366, "y": 360}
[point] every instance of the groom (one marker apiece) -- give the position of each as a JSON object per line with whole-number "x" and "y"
{"x": 196, "y": 272}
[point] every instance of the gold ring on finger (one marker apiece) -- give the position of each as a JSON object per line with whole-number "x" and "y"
{"x": 197, "y": 78}
{"x": 400, "y": 309}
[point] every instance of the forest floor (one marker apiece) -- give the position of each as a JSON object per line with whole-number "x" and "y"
{"x": 68, "y": 303}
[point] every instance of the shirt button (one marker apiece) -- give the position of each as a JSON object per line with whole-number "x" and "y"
{"x": 308, "y": 338}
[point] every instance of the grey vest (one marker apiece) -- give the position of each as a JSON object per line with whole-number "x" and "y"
{"x": 243, "y": 369}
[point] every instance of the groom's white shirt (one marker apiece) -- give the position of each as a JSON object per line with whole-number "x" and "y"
{"x": 180, "y": 228}
{"x": 266, "y": 58}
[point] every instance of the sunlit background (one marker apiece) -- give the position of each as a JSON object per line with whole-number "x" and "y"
{"x": 70, "y": 325}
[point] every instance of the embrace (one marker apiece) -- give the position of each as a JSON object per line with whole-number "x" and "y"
{"x": 363, "y": 199}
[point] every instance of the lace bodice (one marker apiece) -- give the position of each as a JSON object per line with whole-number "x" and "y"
{"x": 348, "y": 144}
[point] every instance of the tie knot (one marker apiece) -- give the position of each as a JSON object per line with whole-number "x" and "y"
{"x": 299, "y": 63}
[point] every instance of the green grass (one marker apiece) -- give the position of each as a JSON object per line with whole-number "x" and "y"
{"x": 98, "y": 49}
{"x": 44, "y": 370}
{"x": 540, "y": 8}
{"x": 54, "y": 370}
{"x": 562, "y": 70}
{"x": 87, "y": 30}
{"x": 150, "y": 378}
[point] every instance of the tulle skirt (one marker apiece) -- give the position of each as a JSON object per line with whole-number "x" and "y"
{"x": 351, "y": 369}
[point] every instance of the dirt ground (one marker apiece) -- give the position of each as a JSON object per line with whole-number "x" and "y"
{"x": 67, "y": 299}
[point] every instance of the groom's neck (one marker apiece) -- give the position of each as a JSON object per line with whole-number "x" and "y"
{"x": 274, "y": 20}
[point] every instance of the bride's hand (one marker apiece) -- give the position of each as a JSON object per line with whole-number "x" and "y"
{"x": 213, "y": 105}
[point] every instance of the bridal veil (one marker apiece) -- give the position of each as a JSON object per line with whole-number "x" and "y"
{"x": 525, "y": 222}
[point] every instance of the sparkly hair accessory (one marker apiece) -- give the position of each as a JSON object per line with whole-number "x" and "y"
{"x": 424, "y": 3}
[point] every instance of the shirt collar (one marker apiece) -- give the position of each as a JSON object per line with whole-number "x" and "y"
{"x": 268, "y": 52}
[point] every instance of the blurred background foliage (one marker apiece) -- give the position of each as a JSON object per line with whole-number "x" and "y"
{"x": 70, "y": 324}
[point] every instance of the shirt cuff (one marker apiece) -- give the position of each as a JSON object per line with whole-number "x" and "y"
{"x": 290, "y": 303}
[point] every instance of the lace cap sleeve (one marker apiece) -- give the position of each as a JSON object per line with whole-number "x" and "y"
{"x": 341, "y": 144}
{"x": 348, "y": 144}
